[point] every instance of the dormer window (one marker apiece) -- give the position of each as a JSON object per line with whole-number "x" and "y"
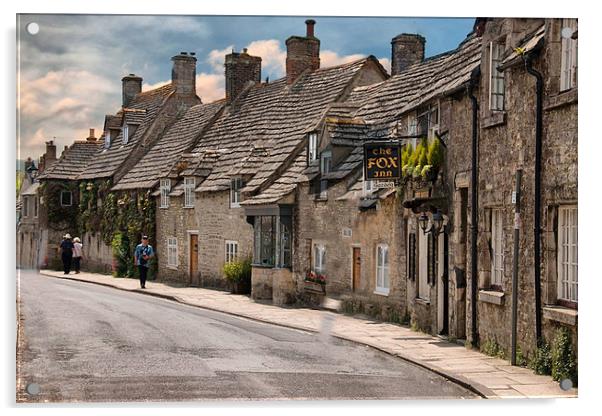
{"x": 236, "y": 184}
{"x": 312, "y": 151}
{"x": 108, "y": 139}
{"x": 165, "y": 188}
{"x": 325, "y": 166}
{"x": 126, "y": 133}
{"x": 189, "y": 184}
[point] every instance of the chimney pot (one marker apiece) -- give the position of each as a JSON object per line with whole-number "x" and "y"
{"x": 310, "y": 27}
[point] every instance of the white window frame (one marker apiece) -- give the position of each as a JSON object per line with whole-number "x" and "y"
{"x": 165, "y": 189}
{"x": 497, "y": 247}
{"x": 172, "y": 252}
{"x": 36, "y": 206}
{"x": 568, "y": 57}
{"x": 319, "y": 258}
{"x": 125, "y": 133}
{"x": 383, "y": 282}
{"x": 312, "y": 147}
{"x": 325, "y": 167}
{"x": 413, "y": 129}
{"x": 567, "y": 253}
{"x": 107, "y": 143}
{"x": 496, "y": 79}
{"x": 70, "y": 198}
{"x": 231, "y": 251}
{"x": 189, "y": 195}
{"x": 236, "y": 184}
{"x": 25, "y": 210}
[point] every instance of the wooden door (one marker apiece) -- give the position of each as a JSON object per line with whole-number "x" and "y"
{"x": 357, "y": 267}
{"x": 194, "y": 259}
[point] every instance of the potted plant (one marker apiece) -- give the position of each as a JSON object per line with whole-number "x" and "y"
{"x": 315, "y": 282}
{"x": 238, "y": 274}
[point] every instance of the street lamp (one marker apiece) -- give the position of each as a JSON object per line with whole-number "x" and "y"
{"x": 423, "y": 220}
{"x": 437, "y": 223}
{"x": 432, "y": 225}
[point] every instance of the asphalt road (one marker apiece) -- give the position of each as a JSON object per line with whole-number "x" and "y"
{"x": 88, "y": 343}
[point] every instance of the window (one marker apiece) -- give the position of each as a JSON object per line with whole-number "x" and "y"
{"x": 36, "y": 202}
{"x": 272, "y": 240}
{"x": 367, "y": 185}
{"x": 423, "y": 279}
{"x": 433, "y": 121}
{"x": 497, "y": 249}
{"x": 236, "y": 185}
{"x": 107, "y": 143}
{"x": 312, "y": 150}
{"x": 165, "y": 187}
{"x": 496, "y": 78}
{"x": 25, "y": 206}
{"x": 66, "y": 199}
{"x": 231, "y": 251}
{"x": 319, "y": 258}
{"x": 382, "y": 269}
{"x": 413, "y": 129}
{"x": 172, "y": 252}
{"x": 325, "y": 165}
{"x": 568, "y": 59}
{"x": 567, "y": 253}
{"x": 125, "y": 134}
{"x": 189, "y": 184}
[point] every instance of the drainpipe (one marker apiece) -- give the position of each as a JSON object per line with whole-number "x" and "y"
{"x": 537, "y": 229}
{"x": 474, "y": 226}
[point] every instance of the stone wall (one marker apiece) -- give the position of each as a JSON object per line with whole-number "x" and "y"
{"x": 217, "y": 222}
{"x": 98, "y": 256}
{"x": 175, "y": 221}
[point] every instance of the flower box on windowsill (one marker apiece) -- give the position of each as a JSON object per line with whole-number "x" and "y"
{"x": 314, "y": 287}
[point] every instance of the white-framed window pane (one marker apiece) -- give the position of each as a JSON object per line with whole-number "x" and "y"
{"x": 496, "y": 78}
{"x": 236, "y": 185}
{"x": 165, "y": 187}
{"x": 172, "y": 251}
{"x": 567, "y": 253}
{"x": 497, "y": 245}
{"x": 319, "y": 258}
{"x": 107, "y": 143}
{"x": 382, "y": 268}
{"x": 189, "y": 184}
{"x": 231, "y": 251}
{"x": 568, "y": 54}
{"x": 126, "y": 134}
{"x": 313, "y": 147}
{"x": 325, "y": 162}
{"x": 66, "y": 198}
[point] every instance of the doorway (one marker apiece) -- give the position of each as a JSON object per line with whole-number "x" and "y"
{"x": 356, "y": 268}
{"x": 194, "y": 259}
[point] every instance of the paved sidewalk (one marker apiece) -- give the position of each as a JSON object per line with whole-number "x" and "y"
{"x": 488, "y": 376}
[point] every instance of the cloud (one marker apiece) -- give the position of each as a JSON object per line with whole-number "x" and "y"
{"x": 210, "y": 87}
{"x": 273, "y": 57}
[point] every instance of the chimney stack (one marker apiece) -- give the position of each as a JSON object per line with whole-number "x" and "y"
{"x": 91, "y": 137}
{"x": 50, "y": 154}
{"x": 131, "y": 85}
{"x": 406, "y": 49}
{"x": 241, "y": 68}
{"x": 183, "y": 73}
{"x": 302, "y": 53}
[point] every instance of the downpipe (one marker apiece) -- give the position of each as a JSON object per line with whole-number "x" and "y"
{"x": 537, "y": 203}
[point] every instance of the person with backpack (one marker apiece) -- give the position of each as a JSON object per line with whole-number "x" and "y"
{"x": 66, "y": 248}
{"x": 143, "y": 253}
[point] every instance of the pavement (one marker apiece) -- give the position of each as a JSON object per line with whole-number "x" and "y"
{"x": 490, "y": 377}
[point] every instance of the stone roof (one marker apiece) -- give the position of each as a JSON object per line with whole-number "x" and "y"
{"x": 531, "y": 42}
{"x": 31, "y": 189}
{"x": 73, "y": 161}
{"x": 148, "y": 104}
{"x": 274, "y": 116}
{"x": 178, "y": 138}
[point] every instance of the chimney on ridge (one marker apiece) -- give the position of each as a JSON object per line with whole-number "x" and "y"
{"x": 241, "y": 68}
{"x": 183, "y": 73}
{"x": 131, "y": 85}
{"x": 406, "y": 49}
{"x": 91, "y": 137}
{"x": 302, "y": 53}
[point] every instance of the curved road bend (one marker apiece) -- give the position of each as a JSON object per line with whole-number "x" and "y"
{"x": 84, "y": 342}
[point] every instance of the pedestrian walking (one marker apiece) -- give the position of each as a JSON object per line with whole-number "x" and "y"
{"x": 144, "y": 252}
{"x": 77, "y": 254}
{"x": 66, "y": 253}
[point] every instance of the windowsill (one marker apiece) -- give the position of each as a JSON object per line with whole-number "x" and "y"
{"x": 561, "y": 99}
{"x": 172, "y": 267}
{"x": 381, "y": 292}
{"x": 560, "y": 314}
{"x": 164, "y": 207}
{"x": 421, "y": 301}
{"x": 263, "y": 266}
{"x": 234, "y": 206}
{"x": 494, "y": 297}
{"x": 188, "y": 206}
{"x": 496, "y": 118}
{"x": 320, "y": 198}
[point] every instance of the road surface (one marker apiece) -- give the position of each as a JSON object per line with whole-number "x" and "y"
{"x": 87, "y": 343}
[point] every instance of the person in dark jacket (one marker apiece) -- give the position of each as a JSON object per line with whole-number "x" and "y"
{"x": 66, "y": 252}
{"x": 144, "y": 252}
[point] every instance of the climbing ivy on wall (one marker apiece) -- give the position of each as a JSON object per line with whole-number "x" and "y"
{"x": 59, "y": 217}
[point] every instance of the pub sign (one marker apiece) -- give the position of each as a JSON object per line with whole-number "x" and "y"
{"x": 382, "y": 161}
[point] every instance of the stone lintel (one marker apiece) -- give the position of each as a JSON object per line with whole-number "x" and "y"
{"x": 491, "y": 296}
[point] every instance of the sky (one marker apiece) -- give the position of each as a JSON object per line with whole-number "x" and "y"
{"x": 69, "y": 73}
